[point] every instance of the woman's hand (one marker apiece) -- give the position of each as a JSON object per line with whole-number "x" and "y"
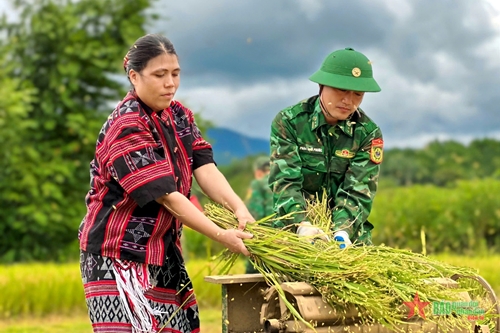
{"x": 233, "y": 240}
{"x": 244, "y": 217}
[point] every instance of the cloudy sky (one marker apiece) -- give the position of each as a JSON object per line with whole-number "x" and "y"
{"x": 438, "y": 62}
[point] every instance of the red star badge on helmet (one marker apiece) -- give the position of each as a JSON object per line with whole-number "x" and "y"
{"x": 416, "y": 304}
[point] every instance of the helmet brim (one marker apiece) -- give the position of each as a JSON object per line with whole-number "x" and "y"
{"x": 344, "y": 82}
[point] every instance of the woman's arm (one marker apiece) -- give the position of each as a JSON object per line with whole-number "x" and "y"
{"x": 188, "y": 214}
{"x": 215, "y": 185}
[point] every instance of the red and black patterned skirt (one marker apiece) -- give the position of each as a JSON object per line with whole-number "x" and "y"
{"x": 167, "y": 293}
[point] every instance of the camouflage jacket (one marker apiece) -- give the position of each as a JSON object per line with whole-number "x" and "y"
{"x": 309, "y": 156}
{"x": 260, "y": 198}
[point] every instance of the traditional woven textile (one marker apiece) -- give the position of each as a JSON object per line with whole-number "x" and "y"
{"x": 132, "y": 297}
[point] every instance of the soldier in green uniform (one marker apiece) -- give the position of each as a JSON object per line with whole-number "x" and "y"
{"x": 259, "y": 197}
{"x": 328, "y": 143}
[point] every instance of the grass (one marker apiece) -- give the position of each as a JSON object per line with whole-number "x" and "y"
{"x": 210, "y": 323}
{"x": 52, "y": 324}
{"x": 487, "y": 266}
{"x": 50, "y": 297}
{"x": 40, "y": 289}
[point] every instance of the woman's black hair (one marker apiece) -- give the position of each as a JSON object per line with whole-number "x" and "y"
{"x": 144, "y": 49}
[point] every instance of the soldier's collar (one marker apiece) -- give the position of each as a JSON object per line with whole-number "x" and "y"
{"x": 347, "y": 126}
{"x": 318, "y": 120}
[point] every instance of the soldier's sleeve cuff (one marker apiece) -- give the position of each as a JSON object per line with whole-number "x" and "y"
{"x": 345, "y": 226}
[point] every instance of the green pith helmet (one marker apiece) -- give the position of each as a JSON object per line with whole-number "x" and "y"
{"x": 348, "y": 70}
{"x": 261, "y": 163}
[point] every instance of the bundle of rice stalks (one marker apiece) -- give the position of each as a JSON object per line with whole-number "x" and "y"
{"x": 374, "y": 280}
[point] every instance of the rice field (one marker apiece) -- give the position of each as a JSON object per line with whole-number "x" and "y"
{"x": 40, "y": 289}
{"x": 210, "y": 323}
{"x": 49, "y": 297}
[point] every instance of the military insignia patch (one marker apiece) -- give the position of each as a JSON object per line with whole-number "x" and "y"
{"x": 345, "y": 153}
{"x": 356, "y": 72}
{"x": 377, "y": 151}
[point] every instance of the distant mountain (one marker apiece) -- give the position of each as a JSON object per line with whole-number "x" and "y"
{"x": 229, "y": 145}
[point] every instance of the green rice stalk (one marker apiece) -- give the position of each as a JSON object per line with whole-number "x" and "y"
{"x": 376, "y": 280}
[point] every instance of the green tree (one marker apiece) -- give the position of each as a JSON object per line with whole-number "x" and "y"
{"x": 57, "y": 69}
{"x": 442, "y": 163}
{"x": 402, "y": 166}
{"x": 484, "y": 156}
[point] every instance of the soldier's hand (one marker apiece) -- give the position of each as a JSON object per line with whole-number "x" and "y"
{"x": 305, "y": 229}
{"x": 342, "y": 238}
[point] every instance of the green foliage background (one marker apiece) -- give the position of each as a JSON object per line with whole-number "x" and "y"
{"x": 58, "y": 67}
{"x": 442, "y": 163}
{"x": 61, "y": 74}
{"x": 461, "y": 219}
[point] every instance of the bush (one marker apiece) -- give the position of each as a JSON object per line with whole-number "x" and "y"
{"x": 196, "y": 245}
{"x": 463, "y": 219}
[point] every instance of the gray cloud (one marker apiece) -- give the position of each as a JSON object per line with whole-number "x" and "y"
{"x": 444, "y": 46}
{"x": 248, "y": 41}
{"x": 436, "y": 61}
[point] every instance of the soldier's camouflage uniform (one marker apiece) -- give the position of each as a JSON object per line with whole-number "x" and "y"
{"x": 260, "y": 200}
{"x": 309, "y": 156}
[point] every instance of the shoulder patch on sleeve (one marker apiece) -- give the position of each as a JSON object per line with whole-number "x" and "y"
{"x": 377, "y": 151}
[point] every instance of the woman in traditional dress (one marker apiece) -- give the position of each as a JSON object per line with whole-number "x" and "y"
{"x": 147, "y": 151}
